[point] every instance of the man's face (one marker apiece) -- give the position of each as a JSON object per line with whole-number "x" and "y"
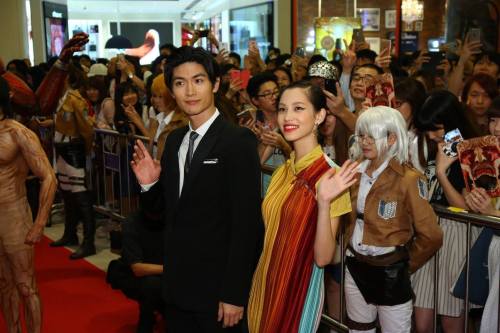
{"x": 192, "y": 88}
{"x": 486, "y": 66}
{"x": 360, "y": 75}
{"x": 478, "y": 99}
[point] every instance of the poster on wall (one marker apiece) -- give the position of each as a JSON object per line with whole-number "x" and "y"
{"x": 374, "y": 43}
{"x": 370, "y": 18}
{"x": 56, "y": 27}
{"x": 390, "y": 19}
{"x": 329, "y": 30}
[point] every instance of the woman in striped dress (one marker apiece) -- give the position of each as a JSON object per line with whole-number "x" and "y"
{"x": 441, "y": 113}
{"x": 301, "y": 216}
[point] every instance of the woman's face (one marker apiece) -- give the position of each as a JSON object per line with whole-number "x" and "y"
{"x": 405, "y": 109}
{"x": 357, "y": 87}
{"x": 436, "y": 135}
{"x": 478, "y": 100}
{"x": 297, "y": 117}
{"x": 92, "y": 94}
{"x": 328, "y": 126}
{"x": 283, "y": 79}
{"x": 266, "y": 100}
{"x": 130, "y": 98}
{"x": 494, "y": 126}
{"x": 158, "y": 102}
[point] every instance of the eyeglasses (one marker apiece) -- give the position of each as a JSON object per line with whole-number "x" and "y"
{"x": 368, "y": 139}
{"x": 270, "y": 94}
{"x": 357, "y": 78}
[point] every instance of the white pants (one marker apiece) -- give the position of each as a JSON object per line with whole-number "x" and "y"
{"x": 393, "y": 319}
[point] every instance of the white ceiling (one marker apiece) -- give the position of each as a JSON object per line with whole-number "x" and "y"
{"x": 127, "y": 6}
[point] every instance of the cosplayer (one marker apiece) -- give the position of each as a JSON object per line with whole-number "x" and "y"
{"x": 301, "y": 222}
{"x": 74, "y": 124}
{"x": 392, "y": 231}
{"x": 20, "y": 152}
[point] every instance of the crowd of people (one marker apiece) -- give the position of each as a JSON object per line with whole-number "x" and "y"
{"x": 215, "y": 248}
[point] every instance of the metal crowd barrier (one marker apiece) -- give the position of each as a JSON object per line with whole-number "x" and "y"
{"x": 470, "y": 219}
{"x": 116, "y": 187}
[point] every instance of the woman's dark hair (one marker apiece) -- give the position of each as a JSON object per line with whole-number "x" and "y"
{"x": 485, "y": 81}
{"x": 97, "y": 82}
{"x": 258, "y": 80}
{"x": 76, "y": 76}
{"x": 428, "y": 78}
{"x": 313, "y": 93}
{"x": 286, "y": 71}
{"x": 235, "y": 56}
{"x": 412, "y": 92}
{"x": 121, "y": 120}
{"x": 443, "y": 108}
{"x": 5, "y": 99}
{"x": 198, "y": 55}
{"x": 22, "y": 69}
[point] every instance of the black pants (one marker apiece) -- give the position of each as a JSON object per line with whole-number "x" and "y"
{"x": 180, "y": 321}
{"x": 150, "y": 300}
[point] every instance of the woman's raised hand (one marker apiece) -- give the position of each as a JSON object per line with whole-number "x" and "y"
{"x": 336, "y": 181}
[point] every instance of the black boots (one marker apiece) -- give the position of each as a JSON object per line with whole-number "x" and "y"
{"x": 78, "y": 206}
{"x": 69, "y": 237}
{"x": 84, "y": 202}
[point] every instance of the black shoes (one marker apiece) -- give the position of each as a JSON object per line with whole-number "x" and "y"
{"x": 65, "y": 241}
{"x": 83, "y": 251}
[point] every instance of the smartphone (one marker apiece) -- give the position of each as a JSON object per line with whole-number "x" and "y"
{"x": 300, "y": 52}
{"x": 338, "y": 44}
{"x": 244, "y": 115}
{"x": 224, "y": 46}
{"x": 435, "y": 59}
{"x": 451, "y": 141}
{"x": 243, "y": 75}
{"x": 474, "y": 35}
{"x": 357, "y": 35}
{"x": 203, "y": 33}
{"x": 385, "y": 44}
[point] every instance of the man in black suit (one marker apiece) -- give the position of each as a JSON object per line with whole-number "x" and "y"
{"x": 208, "y": 185}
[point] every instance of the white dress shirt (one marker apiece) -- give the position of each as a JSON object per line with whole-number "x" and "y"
{"x": 365, "y": 184}
{"x": 183, "y": 149}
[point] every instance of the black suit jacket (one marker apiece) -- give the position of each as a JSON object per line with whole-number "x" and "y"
{"x": 214, "y": 230}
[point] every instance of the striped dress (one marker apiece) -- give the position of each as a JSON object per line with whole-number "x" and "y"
{"x": 287, "y": 291}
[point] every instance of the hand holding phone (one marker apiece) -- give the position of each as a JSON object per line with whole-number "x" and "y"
{"x": 451, "y": 141}
{"x": 474, "y": 35}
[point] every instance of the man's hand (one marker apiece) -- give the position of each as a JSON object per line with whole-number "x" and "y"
{"x": 335, "y": 104}
{"x": 146, "y": 169}
{"x": 231, "y": 314}
{"x": 383, "y": 60}
{"x": 222, "y": 57}
{"x": 468, "y": 49}
{"x": 75, "y": 44}
{"x": 349, "y": 58}
{"x": 34, "y": 235}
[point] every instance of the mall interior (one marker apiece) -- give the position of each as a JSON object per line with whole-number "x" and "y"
{"x": 195, "y": 140}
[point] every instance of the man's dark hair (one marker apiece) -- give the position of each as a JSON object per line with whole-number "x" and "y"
{"x": 257, "y": 81}
{"x": 366, "y": 54}
{"x": 5, "y": 99}
{"x": 492, "y": 56}
{"x": 168, "y": 46}
{"x": 85, "y": 56}
{"x": 198, "y": 55}
{"x": 372, "y": 66}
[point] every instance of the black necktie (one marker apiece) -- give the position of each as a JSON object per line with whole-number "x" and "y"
{"x": 189, "y": 156}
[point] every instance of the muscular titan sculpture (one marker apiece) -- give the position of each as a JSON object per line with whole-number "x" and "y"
{"x": 20, "y": 151}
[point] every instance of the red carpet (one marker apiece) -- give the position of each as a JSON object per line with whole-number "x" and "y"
{"x": 76, "y": 298}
